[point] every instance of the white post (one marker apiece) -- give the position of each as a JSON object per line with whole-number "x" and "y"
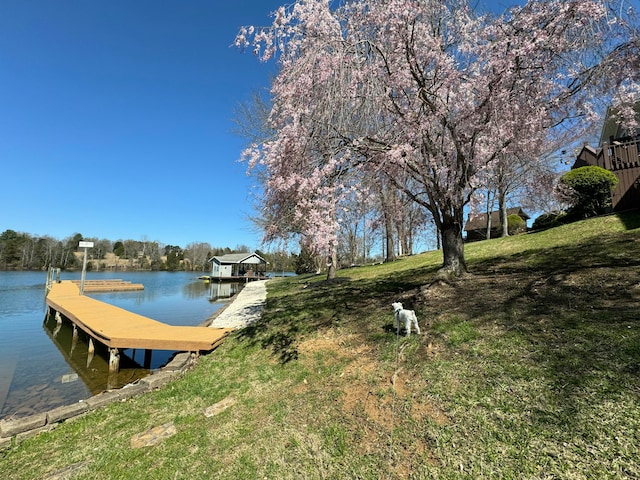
{"x": 49, "y": 278}
{"x": 86, "y": 246}
{"x": 84, "y": 272}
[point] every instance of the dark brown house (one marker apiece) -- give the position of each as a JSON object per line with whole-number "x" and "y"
{"x": 618, "y": 152}
{"x": 476, "y": 227}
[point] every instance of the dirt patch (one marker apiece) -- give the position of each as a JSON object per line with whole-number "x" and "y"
{"x": 376, "y": 399}
{"x": 328, "y": 340}
{"x": 420, "y": 411}
{"x": 359, "y": 400}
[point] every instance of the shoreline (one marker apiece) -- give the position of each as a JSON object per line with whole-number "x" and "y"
{"x": 240, "y": 311}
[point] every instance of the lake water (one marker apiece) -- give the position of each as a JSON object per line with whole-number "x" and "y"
{"x": 40, "y": 369}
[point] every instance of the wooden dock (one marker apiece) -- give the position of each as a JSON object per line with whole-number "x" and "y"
{"x": 110, "y": 285}
{"x": 117, "y": 328}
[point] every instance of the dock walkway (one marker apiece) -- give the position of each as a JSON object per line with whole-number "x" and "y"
{"x": 120, "y": 329}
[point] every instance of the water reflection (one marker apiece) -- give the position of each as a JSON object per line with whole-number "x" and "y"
{"x": 223, "y": 290}
{"x": 92, "y": 367}
{"x": 40, "y": 371}
{"x": 195, "y": 289}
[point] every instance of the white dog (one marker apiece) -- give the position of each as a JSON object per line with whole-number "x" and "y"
{"x": 407, "y": 316}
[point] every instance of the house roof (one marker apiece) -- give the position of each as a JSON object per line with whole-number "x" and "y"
{"x": 590, "y": 149}
{"x": 236, "y": 258}
{"x": 479, "y": 221}
{"x": 587, "y": 156}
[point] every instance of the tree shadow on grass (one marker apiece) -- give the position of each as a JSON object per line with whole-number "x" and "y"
{"x": 320, "y": 304}
{"x": 285, "y": 319}
{"x": 281, "y": 341}
{"x": 574, "y": 307}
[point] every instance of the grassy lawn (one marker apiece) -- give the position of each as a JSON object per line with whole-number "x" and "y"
{"x": 528, "y": 368}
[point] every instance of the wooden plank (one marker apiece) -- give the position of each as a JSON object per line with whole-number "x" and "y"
{"x": 119, "y": 328}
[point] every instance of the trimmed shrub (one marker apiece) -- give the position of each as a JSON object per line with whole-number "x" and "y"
{"x": 587, "y": 190}
{"x": 516, "y": 224}
{"x": 549, "y": 220}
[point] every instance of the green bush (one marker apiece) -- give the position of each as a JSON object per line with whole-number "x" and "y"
{"x": 549, "y": 220}
{"x": 516, "y": 224}
{"x": 587, "y": 190}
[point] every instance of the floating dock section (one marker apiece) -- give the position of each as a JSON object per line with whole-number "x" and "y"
{"x": 120, "y": 329}
{"x": 113, "y": 285}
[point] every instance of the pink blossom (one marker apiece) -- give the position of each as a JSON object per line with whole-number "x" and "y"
{"x": 428, "y": 98}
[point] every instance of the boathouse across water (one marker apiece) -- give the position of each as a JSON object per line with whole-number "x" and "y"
{"x": 235, "y": 266}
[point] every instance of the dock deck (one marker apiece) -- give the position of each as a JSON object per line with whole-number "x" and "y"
{"x": 111, "y": 285}
{"x": 120, "y": 329}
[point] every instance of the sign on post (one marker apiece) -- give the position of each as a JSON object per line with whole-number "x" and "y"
{"x": 84, "y": 245}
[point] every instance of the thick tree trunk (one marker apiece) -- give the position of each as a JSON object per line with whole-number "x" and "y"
{"x": 390, "y": 247}
{"x": 332, "y": 261}
{"x": 453, "y": 248}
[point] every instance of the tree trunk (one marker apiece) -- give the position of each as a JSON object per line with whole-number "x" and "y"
{"x": 488, "y": 230}
{"x": 332, "y": 261}
{"x": 491, "y": 200}
{"x": 388, "y": 232}
{"x": 453, "y": 248}
{"x": 390, "y": 247}
{"x": 364, "y": 239}
{"x": 502, "y": 201}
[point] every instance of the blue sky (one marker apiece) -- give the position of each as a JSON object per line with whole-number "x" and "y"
{"x": 116, "y": 118}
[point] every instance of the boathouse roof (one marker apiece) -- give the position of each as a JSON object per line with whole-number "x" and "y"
{"x": 238, "y": 258}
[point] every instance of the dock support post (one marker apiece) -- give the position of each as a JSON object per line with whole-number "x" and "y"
{"x": 58, "y": 325}
{"x": 112, "y": 380}
{"x": 147, "y": 359}
{"x": 114, "y": 360}
{"x": 74, "y": 338}
{"x": 90, "y": 352}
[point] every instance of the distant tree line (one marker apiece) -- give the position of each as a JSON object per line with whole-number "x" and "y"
{"x": 23, "y": 251}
